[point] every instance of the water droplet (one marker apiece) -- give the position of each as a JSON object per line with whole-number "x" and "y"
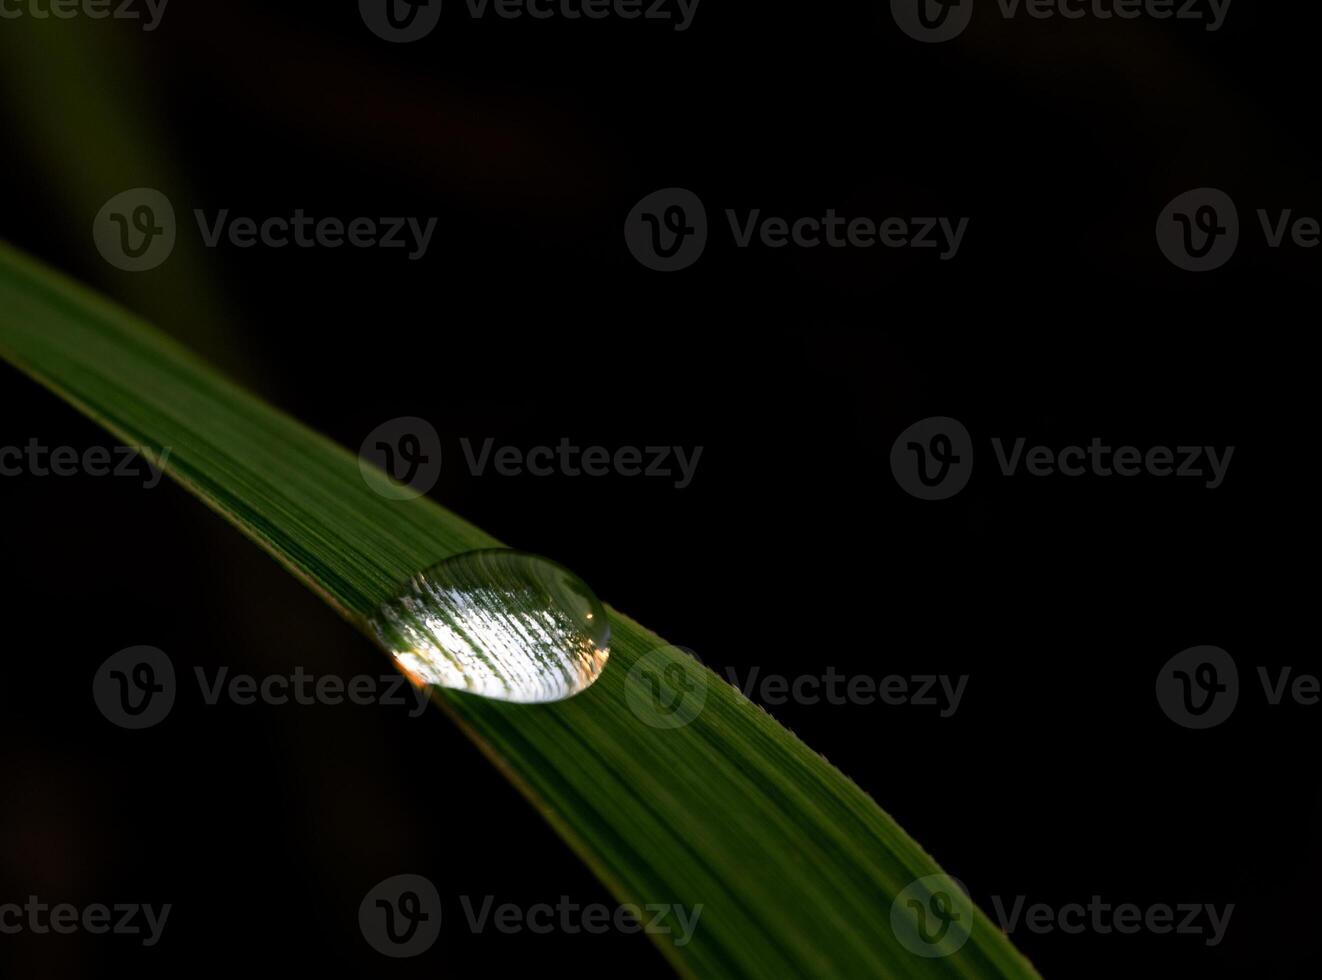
{"x": 503, "y": 624}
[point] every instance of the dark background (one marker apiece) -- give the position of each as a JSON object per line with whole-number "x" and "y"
{"x": 529, "y": 321}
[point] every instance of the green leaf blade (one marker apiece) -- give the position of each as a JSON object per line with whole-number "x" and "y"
{"x": 795, "y": 867}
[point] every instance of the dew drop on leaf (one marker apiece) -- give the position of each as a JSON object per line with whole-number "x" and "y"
{"x": 499, "y": 623}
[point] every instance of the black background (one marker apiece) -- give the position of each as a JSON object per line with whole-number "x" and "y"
{"x": 528, "y": 321}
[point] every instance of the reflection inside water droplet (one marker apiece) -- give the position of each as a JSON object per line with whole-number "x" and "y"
{"x": 503, "y": 624}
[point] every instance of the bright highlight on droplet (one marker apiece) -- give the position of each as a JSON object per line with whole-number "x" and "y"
{"x": 503, "y": 624}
